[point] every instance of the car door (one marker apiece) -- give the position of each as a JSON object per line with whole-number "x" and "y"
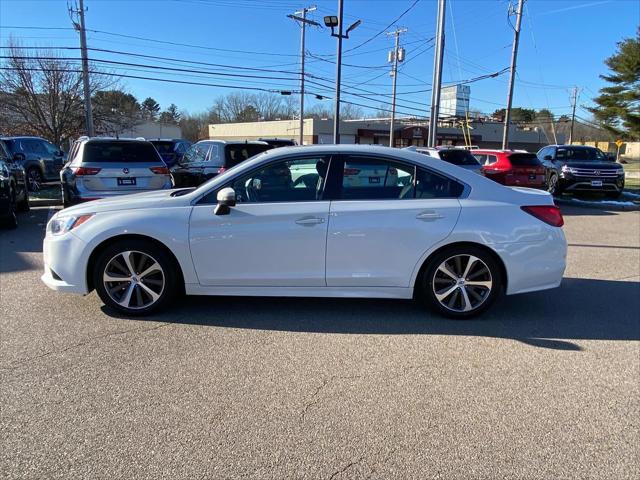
{"x": 381, "y": 225}
{"x": 276, "y": 233}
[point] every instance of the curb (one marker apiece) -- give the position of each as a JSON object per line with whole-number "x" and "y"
{"x": 597, "y": 205}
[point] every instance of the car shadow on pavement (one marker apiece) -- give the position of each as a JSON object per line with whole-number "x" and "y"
{"x": 581, "y": 309}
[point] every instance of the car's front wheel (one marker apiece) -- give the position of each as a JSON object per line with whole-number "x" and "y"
{"x": 553, "y": 185}
{"x": 461, "y": 282}
{"x": 34, "y": 179}
{"x": 135, "y": 277}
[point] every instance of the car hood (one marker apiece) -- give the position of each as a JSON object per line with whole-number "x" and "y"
{"x": 123, "y": 202}
{"x": 595, "y": 165}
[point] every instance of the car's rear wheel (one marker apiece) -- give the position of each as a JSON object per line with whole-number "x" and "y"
{"x": 461, "y": 282}
{"x": 135, "y": 277}
{"x": 11, "y": 220}
{"x": 34, "y": 179}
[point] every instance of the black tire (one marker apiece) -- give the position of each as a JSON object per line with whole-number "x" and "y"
{"x": 34, "y": 179}
{"x": 23, "y": 205}
{"x": 170, "y": 275}
{"x": 613, "y": 195}
{"x": 10, "y": 221}
{"x": 484, "y": 296}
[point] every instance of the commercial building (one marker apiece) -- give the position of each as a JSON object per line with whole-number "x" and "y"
{"x": 485, "y": 134}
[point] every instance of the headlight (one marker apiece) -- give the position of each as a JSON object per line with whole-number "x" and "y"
{"x": 621, "y": 172}
{"x": 65, "y": 223}
{"x": 566, "y": 169}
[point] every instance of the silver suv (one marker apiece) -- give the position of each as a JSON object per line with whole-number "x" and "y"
{"x": 105, "y": 167}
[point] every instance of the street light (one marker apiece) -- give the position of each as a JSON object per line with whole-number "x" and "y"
{"x": 333, "y": 21}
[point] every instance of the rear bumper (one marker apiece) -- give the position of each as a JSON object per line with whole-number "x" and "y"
{"x": 533, "y": 266}
{"x": 75, "y": 197}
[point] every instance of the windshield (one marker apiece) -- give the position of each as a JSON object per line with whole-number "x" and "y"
{"x": 458, "y": 157}
{"x": 236, "y": 153}
{"x": 584, "y": 154}
{"x": 163, "y": 146}
{"x": 524, "y": 159}
{"x": 119, "y": 151}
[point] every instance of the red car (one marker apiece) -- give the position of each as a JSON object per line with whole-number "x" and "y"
{"x": 512, "y": 168}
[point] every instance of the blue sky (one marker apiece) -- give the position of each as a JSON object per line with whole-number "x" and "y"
{"x": 563, "y": 43}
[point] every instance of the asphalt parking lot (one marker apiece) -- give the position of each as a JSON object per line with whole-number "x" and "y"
{"x": 544, "y": 386}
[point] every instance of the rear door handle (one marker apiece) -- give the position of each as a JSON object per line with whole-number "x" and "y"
{"x": 428, "y": 215}
{"x": 310, "y": 221}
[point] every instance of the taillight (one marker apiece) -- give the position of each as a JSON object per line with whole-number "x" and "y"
{"x": 160, "y": 170}
{"x": 547, "y": 213}
{"x": 82, "y": 171}
{"x": 351, "y": 171}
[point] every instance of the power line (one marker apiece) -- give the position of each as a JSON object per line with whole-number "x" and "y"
{"x": 370, "y": 39}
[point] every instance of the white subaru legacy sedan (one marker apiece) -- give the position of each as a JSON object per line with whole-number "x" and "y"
{"x": 314, "y": 221}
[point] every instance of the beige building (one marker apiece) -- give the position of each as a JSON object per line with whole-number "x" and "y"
{"x": 376, "y": 131}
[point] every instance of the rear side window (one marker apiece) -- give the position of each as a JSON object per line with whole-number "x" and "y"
{"x": 236, "y": 153}
{"x": 196, "y": 154}
{"x": 433, "y": 185}
{"x": 376, "y": 179}
{"x": 458, "y": 157}
{"x": 120, "y": 152}
{"x": 524, "y": 160}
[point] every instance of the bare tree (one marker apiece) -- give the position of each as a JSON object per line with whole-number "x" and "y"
{"x": 42, "y": 94}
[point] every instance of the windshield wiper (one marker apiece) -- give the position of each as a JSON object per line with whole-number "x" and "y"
{"x": 182, "y": 191}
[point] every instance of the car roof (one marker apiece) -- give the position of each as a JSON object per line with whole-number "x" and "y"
{"x": 234, "y": 142}
{"x": 569, "y": 145}
{"x": 113, "y": 139}
{"x": 22, "y": 137}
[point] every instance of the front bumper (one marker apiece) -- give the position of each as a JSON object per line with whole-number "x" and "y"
{"x": 65, "y": 263}
{"x": 570, "y": 183}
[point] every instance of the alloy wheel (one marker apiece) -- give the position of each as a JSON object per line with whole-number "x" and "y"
{"x": 462, "y": 283}
{"x": 553, "y": 184}
{"x": 34, "y": 179}
{"x": 133, "y": 279}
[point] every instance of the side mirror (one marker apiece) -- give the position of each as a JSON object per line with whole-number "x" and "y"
{"x": 226, "y": 198}
{"x": 18, "y": 157}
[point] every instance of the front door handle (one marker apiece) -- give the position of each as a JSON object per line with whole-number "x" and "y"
{"x": 310, "y": 221}
{"x": 428, "y": 215}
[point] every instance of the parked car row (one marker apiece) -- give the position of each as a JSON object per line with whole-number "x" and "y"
{"x": 13, "y": 189}
{"x": 40, "y": 159}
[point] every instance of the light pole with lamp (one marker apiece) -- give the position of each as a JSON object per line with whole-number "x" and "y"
{"x": 333, "y": 22}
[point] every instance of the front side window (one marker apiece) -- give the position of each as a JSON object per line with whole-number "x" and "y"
{"x": 51, "y": 148}
{"x": 294, "y": 180}
{"x": 196, "y": 154}
{"x": 376, "y": 179}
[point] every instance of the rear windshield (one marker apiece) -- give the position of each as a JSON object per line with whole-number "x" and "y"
{"x": 118, "y": 151}
{"x": 163, "y": 146}
{"x": 458, "y": 157}
{"x": 234, "y": 154}
{"x": 524, "y": 159}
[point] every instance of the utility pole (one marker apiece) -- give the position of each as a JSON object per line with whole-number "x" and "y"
{"x": 333, "y": 22}
{"x": 395, "y": 56}
{"x": 512, "y": 74}
{"x": 336, "y": 116}
{"x": 437, "y": 75}
{"x": 574, "y": 101}
{"x": 80, "y": 27}
{"x": 301, "y": 16}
